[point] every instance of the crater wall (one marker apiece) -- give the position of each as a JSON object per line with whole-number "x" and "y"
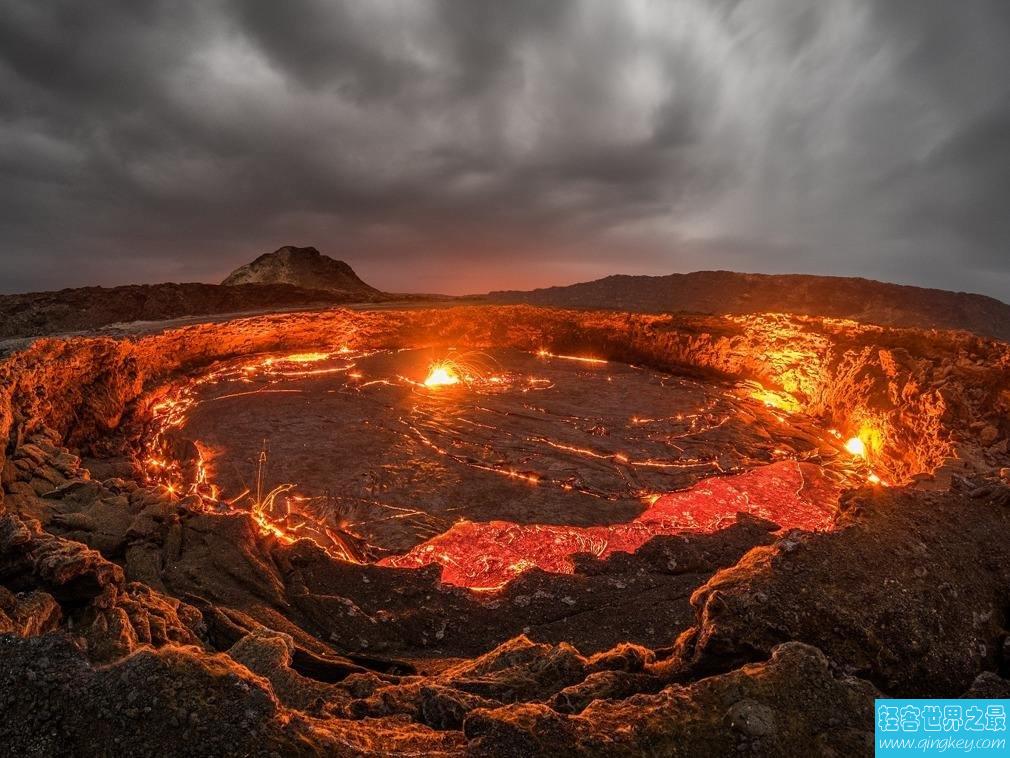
{"x": 919, "y": 397}
{"x": 119, "y": 598}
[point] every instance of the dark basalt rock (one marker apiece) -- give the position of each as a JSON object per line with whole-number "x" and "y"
{"x": 133, "y": 623}
{"x": 862, "y": 300}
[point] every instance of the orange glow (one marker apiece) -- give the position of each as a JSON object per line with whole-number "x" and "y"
{"x": 876, "y": 480}
{"x": 271, "y": 511}
{"x": 485, "y": 556}
{"x": 544, "y": 353}
{"x": 469, "y": 368}
{"x": 856, "y": 447}
{"x": 441, "y": 374}
{"x": 781, "y": 401}
{"x": 305, "y": 357}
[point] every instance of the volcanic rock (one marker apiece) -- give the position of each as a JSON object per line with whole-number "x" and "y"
{"x": 731, "y": 292}
{"x": 88, "y": 308}
{"x": 174, "y": 701}
{"x": 790, "y": 705}
{"x": 890, "y": 598}
{"x": 303, "y": 267}
{"x": 132, "y": 619}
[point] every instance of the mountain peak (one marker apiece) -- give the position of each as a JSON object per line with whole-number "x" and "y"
{"x": 301, "y": 266}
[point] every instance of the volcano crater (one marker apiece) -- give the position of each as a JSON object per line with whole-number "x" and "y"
{"x": 675, "y": 496}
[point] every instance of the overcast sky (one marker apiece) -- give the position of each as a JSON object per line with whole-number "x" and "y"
{"x": 465, "y": 145}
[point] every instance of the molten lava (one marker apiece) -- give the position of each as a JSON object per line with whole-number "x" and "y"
{"x": 274, "y": 511}
{"x": 442, "y": 374}
{"x": 856, "y": 447}
{"x": 580, "y": 463}
{"x": 486, "y": 556}
{"x": 544, "y": 353}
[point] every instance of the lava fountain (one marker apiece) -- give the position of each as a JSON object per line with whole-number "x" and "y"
{"x": 441, "y": 374}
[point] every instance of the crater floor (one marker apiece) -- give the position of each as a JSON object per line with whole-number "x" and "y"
{"x": 371, "y": 443}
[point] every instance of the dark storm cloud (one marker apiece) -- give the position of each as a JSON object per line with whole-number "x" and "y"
{"x": 464, "y": 145}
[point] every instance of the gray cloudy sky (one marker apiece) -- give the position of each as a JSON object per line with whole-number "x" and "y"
{"x": 467, "y": 145}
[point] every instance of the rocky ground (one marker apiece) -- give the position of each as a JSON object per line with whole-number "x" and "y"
{"x": 137, "y": 622}
{"x": 90, "y": 308}
{"x": 863, "y": 300}
{"x": 286, "y": 279}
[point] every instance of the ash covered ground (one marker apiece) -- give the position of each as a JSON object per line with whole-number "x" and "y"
{"x": 147, "y": 608}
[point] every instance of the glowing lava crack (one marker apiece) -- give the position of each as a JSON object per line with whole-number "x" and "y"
{"x": 492, "y": 463}
{"x": 486, "y": 556}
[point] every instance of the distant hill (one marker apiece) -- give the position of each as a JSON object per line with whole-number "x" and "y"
{"x": 302, "y": 267}
{"x": 729, "y": 292}
{"x": 291, "y": 277}
{"x": 86, "y": 308}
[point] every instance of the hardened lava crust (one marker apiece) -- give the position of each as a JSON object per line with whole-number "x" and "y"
{"x": 476, "y": 531}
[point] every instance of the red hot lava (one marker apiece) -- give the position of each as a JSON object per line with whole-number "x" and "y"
{"x": 485, "y": 556}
